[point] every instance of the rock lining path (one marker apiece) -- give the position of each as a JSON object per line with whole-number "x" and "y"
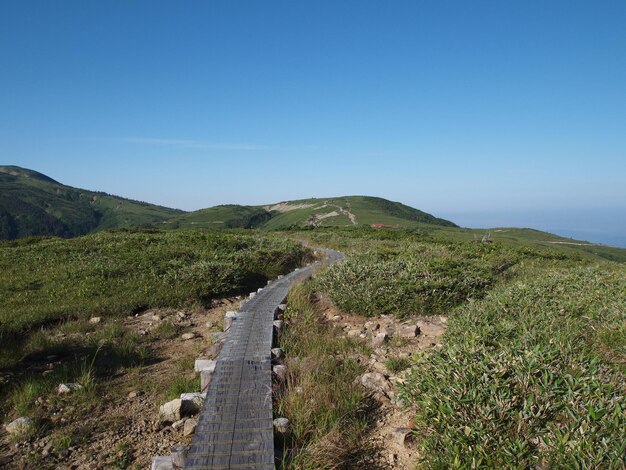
{"x": 235, "y": 426}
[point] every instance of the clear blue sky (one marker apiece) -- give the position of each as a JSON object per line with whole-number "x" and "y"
{"x": 487, "y": 112}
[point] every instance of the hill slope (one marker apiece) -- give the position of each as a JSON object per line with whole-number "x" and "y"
{"x": 34, "y": 204}
{"x": 316, "y": 212}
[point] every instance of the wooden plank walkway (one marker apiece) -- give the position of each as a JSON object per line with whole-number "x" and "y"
{"x": 235, "y": 426}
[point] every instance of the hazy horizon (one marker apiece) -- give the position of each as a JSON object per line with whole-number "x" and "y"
{"x": 485, "y": 113}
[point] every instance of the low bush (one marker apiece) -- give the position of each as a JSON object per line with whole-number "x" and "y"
{"x": 528, "y": 376}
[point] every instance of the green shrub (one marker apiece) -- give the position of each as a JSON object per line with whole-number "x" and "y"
{"x": 523, "y": 378}
{"x": 413, "y": 280}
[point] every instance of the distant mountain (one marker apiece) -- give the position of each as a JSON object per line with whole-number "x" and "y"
{"x": 34, "y": 204}
{"x": 317, "y": 212}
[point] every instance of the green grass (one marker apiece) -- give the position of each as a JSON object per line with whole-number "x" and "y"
{"x": 44, "y": 281}
{"x": 528, "y": 376}
{"x": 225, "y": 216}
{"x": 327, "y": 410}
{"x": 397, "y": 364}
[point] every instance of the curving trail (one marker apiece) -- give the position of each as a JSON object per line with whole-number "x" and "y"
{"x": 235, "y": 426}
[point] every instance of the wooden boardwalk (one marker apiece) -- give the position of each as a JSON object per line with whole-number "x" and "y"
{"x": 235, "y": 426}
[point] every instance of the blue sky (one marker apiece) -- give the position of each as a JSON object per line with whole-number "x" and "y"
{"x": 487, "y": 112}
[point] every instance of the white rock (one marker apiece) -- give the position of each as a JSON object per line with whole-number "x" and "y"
{"x": 379, "y": 339}
{"x": 190, "y": 427}
{"x": 278, "y": 326}
{"x": 281, "y": 425}
{"x": 178, "y": 424}
{"x": 204, "y": 364}
{"x": 68, "y": 388}
{"x": 171, "y": 411}
{"x": 281, "y": 372}
{"x": 162, "y": 463}
{"x": 205, "y": 379}
{"x": 229, "y": 318}
{"x": 95, "y": 320}
{"x": 375, "y": 381}
{"x": 188, "y": 336}
{"x": 409, "y": 331}
{"x": 277, "y": 353}
{"x": 179, "y": 454}
{"x": 402, "y": 436}
{"x": 19, "y": 425}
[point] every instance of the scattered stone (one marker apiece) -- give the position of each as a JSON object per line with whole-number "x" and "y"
{"x": 218, "y": 337}
{"x": 380, "y": 367}
{"x": 252, "y": 294}
{"x": 95, "y": 320}
{"x": 409, "y": 331}
{"x": 181, "y": 315}
{"x": 162, "y": 463}
{"x": 214, "y": 350}
{"x": 191, "y": 402}
{"x": 375, "y": 382}
{"x": 229, "y": 318}
{"x": 149, "y": 316}
{"x": 336, "y": 318}
{"x": 282, "y": 307}
{"x": 188, "y": 336}
{"x": 134, "y": 394}
{"x": 171, "y": 411}
{"x": 179, "y": 454}
{"x": 68, "y": 388}
{"x": 259, "y": 289}
{"x": 353, "y": 333}
{"x": 298, "y": 390}
{"x": 403, "y": 436}
{"x": 190, "y": 427}
{"x": 379, "y": 339}
{"x": 278, "y": 326}
{"x": 206, "y": 376}
{"x": 428, "y": 328}
{"x": 277, "y": 353}
{"x": 281, "y": 426}
{"x": 281, "y": 372}
{"x": 209, "y": 324}
{"x": 179, "y": 424}
{"x": 204, "y": 364}
{"x": 19, "y": 425}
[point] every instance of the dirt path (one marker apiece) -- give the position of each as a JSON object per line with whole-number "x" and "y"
{"x": 390, "y": 435}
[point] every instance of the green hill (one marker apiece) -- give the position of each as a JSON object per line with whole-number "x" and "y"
{"x": 34, "y": 204}
{"x": 317, "y": 212}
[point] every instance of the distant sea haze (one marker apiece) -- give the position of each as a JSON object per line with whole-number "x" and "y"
{"x": 612, "y": 239}
{"x": 606, "y": 225}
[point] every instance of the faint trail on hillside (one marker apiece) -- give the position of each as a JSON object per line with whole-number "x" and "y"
{"x": 235, "y": 429}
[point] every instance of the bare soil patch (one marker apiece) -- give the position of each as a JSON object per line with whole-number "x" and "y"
{"x": 121, "y": 428}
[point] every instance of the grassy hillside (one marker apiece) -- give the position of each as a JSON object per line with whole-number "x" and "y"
{"x": 317, "y": 212}
{"x": 110, "y": 273}
{"x": 34, "y": 204}
{"x": 530, "y": 372}
{"x": 225, "y": 216}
